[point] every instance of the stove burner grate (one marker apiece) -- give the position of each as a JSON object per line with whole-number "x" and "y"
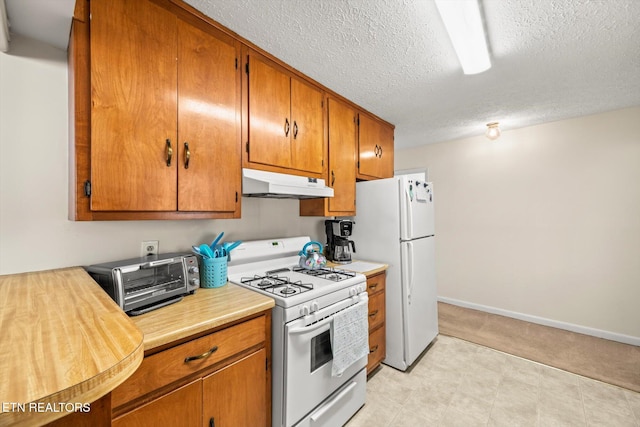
{"x": 272, "y": 283}
{"x": 328, "y": 273}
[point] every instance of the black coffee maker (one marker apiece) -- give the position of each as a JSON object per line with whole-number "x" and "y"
{"x": 338, "y": 243}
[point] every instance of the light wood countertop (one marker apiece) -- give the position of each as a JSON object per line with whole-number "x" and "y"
{"x": 62, "y": 340}
{"x": 205, "y": 310}
{"x": 368, "y": 273}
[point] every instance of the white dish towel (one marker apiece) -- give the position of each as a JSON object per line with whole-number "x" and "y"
{"x": 349, "y": 337}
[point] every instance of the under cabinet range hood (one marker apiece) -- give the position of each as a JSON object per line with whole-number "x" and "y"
{"x": 257, "y": 183}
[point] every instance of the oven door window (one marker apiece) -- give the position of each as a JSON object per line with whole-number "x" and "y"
{"x": 142, "y": 283}
{"x": 321, "y": 350}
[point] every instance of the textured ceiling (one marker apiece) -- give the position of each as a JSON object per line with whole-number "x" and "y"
{"x": 552, "y": 59}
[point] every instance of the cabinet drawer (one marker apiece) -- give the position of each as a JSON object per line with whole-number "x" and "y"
{"x": 376, "y": 310}
{"x": 376, "y": 283}
{"x": 377, "y": 348}
{"x": 170, "y": 365}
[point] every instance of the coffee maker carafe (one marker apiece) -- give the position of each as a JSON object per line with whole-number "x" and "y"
{"x": 339, "y": 247}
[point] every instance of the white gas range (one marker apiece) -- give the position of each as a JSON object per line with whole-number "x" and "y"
{"x": 304, "y": 391}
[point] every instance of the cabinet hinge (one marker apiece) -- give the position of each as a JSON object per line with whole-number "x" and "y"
{"x": 358, "y": 121}
{"x": 246, "y": 67}
{"x": 247, "y": 146}
{"x": 87, "y": 188}
{"x": 236, "y": 63}
{"x": 322, "y": 162}
{"x": 358, "y": 164}
{"x": 236, "y": 197}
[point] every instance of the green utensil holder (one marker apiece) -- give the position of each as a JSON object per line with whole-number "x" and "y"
{"x": 213, "y": 272}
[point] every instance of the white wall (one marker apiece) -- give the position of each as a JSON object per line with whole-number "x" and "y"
{"x": 34, "y": 231}
{"x": 543, "y": 222}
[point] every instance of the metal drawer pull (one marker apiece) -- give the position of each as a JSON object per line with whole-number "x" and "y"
{"x": 295, "y": 129}
{"x": 373, "y": 286}
{"x": 286, "y": 127}
{"x": 374, "y": 349}
{"x": 201, "y": 356}
{"x": 169, "y": 151}
{"x": 374, "y": 314}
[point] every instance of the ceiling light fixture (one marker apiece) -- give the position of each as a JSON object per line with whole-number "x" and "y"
{"x": 493, "y": 131}
{"x": 464, "y": 24}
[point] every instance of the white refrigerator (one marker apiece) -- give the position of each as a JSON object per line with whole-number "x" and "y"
{"x": 394, "y": 224}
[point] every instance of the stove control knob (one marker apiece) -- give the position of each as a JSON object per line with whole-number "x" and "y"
{"x": 193, "y": 270}
{"x": 304, "y": 310}
{"x": 314, "y": 306}
{"x": 353, "y": 292}
{"x": 194, "y": 281}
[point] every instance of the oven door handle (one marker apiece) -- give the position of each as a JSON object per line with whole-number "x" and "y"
{"x": 312, "y": 327}
{"x": 328, "y": 318}
{"x": 152, "y": 264}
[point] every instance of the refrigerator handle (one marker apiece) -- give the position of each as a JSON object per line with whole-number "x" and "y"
{"x": 410, "y": 265}
{"x": 409, "y": 213}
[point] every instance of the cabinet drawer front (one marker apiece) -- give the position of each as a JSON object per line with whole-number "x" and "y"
{"x": 168, "y": 366}
{"x": 377, "y": 348}
{"x": 376, "y": 310}
{"x": 376, "y": 283}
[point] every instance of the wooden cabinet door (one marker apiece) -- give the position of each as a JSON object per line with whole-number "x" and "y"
{"x": 307, "y": 136}
{"x": 235, "y": 396}
{"x": 342, "y": 157}
{"x": 375, "y": 148}
{"x": 270, "y": 124}
{"x": 208, "y": 122}
{"x": 181, "y": 407}
{"x": 133, "y": 110}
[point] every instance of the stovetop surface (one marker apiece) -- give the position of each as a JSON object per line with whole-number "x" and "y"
{"x": 290, "y": 284}
{"x": 271, "y": 268}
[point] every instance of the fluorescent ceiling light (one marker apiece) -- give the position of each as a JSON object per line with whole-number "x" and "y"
{"x": 464, "y": 25}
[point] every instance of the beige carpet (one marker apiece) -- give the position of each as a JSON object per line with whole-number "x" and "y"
{"x": 608, "y": 361}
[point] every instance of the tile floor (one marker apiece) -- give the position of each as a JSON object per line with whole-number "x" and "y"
{"x": 457, "y": 383}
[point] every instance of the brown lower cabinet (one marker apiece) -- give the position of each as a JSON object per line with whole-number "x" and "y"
{"x": 220, "y": 379}
{"x": 377, "y": 339}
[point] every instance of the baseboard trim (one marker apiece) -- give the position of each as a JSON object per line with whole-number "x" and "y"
{"x": 625, "y": 339}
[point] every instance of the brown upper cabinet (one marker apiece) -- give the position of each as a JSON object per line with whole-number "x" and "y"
{"x": 284, "y": 126}
{"x": 164, "y": 115}
{"x": 168, "y": 105}
{"x": 375, "y": 148}
{"x": 342, "y": 164}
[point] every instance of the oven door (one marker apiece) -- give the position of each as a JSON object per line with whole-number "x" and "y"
{"x": 308, "y": 360}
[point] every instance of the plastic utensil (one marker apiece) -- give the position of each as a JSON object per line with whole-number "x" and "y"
{"x": 215, "y": 242}
{"x": 233, "y": 246}
{"x": 196, "y": 250}
{"x": 230, "y": 247}
{"x": 206, "y": 251}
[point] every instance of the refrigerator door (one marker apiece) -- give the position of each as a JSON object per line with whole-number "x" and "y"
{"x": 416, "y": 208}
{"x": 419, "y": 296}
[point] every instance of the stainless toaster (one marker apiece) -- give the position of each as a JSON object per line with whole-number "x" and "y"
{"x": 140, "y": 285}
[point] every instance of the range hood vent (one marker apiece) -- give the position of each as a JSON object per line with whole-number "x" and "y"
{"x": 257, "y": 183}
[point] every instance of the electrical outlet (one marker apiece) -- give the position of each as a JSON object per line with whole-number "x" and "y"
{"x": 149, "y": 247}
